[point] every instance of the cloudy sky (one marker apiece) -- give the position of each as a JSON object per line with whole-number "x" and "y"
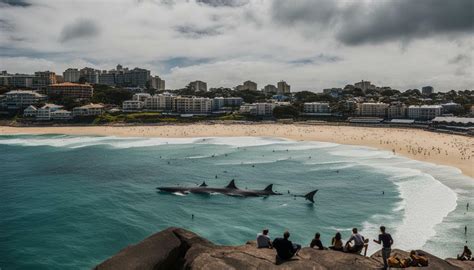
{"x": 312, "y": 44}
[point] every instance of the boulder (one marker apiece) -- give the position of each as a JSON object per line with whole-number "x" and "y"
{"x": 176, "y": 248}
{"x": 434, "y": 262}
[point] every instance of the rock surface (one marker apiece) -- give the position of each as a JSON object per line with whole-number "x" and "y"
{"x": 176, "y": 248}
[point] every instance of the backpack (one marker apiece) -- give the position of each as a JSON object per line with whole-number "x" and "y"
{"x": 394, "y": 262}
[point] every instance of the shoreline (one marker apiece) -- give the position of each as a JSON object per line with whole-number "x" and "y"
{"x": 428, "y": 146}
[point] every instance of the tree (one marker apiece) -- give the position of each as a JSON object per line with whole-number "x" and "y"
{"x": 285, "y": 112}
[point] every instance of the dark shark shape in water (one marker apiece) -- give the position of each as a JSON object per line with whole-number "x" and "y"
{"x": 231, "y": 190}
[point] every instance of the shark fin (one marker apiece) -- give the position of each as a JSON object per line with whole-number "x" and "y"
{"x": 269, "y": 188}
{"x": 203, "y": 184}
{"x": 310, "y": 196}
{"x": 231, "y": 185}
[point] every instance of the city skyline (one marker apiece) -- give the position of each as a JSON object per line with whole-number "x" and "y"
{"x": 310, "y": 44}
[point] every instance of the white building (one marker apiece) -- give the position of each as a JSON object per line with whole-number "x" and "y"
{"x": 30, "y": 111}
{"x": 141, "y": 96}
{"x": 316, "y": 107}
{"x": 221, "y": 102}
{"x": 60, "y": 115}
{"x": 19, "y": 99}
{"x": 88, "y": 110}
{"x": 424, "y": 112}
{"x": 132, "y": 105}
{"x": 192, "y": 105}
{"x": 373, "y": 109}
{"x": 44, "y": 113}
{"x": 162, "y": 102}
{"x": 397, "y": 110}
{"x": 71, "y": 75}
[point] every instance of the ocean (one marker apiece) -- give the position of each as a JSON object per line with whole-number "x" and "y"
{"x": 70, "y": 202}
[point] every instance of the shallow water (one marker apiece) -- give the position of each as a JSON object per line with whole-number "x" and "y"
{"x": 72, "y": 201}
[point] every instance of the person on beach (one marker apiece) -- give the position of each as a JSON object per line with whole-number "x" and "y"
{"x": 466, "y": 254}
{"x": 336, "y": 242}
{"x": 316, "y": 242}
{"x": 285, "y": 248}
{"x": 359, "y": 242}
{"x": 386, "y": 240}
{"x": 263, "y": 240}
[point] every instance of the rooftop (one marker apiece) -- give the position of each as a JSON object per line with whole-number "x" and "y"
{"x": 69, "y": 84}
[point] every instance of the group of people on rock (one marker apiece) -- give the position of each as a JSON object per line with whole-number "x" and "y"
{"x": 355, "y": 244}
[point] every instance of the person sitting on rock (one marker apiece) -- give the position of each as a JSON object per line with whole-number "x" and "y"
{"x": 316, "y": 242}
{"x": 466, "y": 254}
{"x": 285, "y": 248}
{"x": 336, "y": 242}
{"x": 359, "y": 242}
{"x": 263, "y": 240}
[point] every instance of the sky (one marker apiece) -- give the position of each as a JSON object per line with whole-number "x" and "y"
{"x": 311, "y": 44}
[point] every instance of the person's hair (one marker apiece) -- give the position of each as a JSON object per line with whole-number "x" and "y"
{"x": 338, "y": 236}
{"x": 317, "y": 235}
{"x": 265, "y": 231}
{"x": 382, "y": 229}
{"x": 466, "y": 248}
{"x": 412, "y": 252}
{"x": 286, "y": 235}
{"x": 354, "y": 230}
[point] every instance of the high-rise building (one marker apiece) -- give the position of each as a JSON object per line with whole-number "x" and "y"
{"x": 137, "y": 77}
{"x": 22, "y": 80}
{"x": 250, "y": 86}
{"x": 283, "y": 88}
{"x": 270, "y": 88}
{"x": 157, "y": 83}
{"x": 71, "y": 75}
{"x": 198, "y": 86}
{"x": 43, "y": 79}
{"x": 427, "y": 90}
{"x": 107, "y": 78}
{"x": 90, "y": 75}
{"x": 364, "y": 86}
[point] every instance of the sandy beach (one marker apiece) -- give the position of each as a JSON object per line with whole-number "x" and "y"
{"x": 444, "y": 149}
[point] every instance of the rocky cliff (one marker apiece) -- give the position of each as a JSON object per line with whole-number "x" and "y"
{"x": 176, "y": 248}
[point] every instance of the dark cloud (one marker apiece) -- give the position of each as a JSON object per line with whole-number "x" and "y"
{"x": 79, "y": 29}
{"x": 380, "y": 21}
{"x": 407, "y": 19}
{"x": 224, "y": 3}
{"x": 14, "y": 3}
{"x": 190, "y": 31}
{"x": 170, "y": 63}
{"x": 304, "y": 11}
{"x": 321, "y": 58}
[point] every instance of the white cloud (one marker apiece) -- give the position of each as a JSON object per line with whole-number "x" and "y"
{"x": 221, "y": 43}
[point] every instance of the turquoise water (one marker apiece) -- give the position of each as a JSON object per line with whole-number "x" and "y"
{"x": 69, "y": 202}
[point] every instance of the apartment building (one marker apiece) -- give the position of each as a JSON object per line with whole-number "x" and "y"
{"x": 72, "y": 90}
{"x": 88, "y": 110}
{"x": 162, "y": 102}
{"x": 373, "y": 109}
{"x": 424, "y": 112}
{"x": 316, "y": 107}
{"x": 192, "y": 105}
{"x": 20, "y": 99}
{"x": 133, "y": 105}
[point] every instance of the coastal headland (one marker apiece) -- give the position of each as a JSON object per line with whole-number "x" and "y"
{"x": 176, "y": 248}
{"x": 438, "y": 148}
